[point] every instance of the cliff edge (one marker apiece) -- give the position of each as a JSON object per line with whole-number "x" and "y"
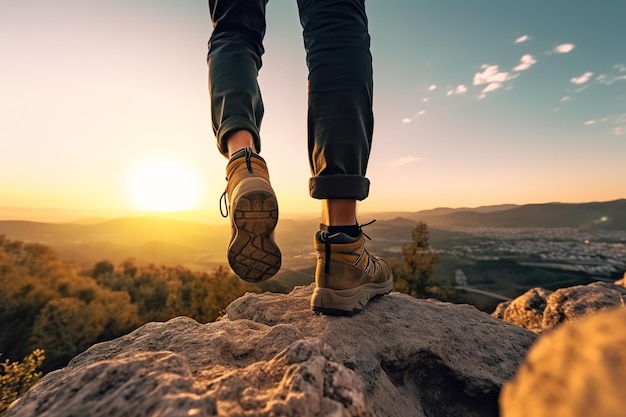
{"x": 271, "y": 356}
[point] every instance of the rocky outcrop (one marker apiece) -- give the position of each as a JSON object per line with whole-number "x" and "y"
{"x": 539, "y": 310}
{"x": 271, "y": 356}
{"x": 578, "y": 370}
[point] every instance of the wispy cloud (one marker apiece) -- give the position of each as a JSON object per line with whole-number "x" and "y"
{"x": 611, "y": 78}
{"x": 459, "y": 89}
{"x": 618, "y": 122}
{"x": 526, "y": 62}
{"x": 490, "y": 74}
{"x": 564, "y": 48}
{"x": 582, "y": 79}
{"x": 432, "y": 87}
{"x": 404, "y": 161}
{"x": 493, "y": 77}
{"x": 410, "y": 119}
{"x": 425, "y": 99}
{"x": 521, "y": 39}
{"x": 566, "y": 98}
{"x": 492, "y": 87}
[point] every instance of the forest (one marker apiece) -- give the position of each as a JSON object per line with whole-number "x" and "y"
{"x": 49, "y": 304}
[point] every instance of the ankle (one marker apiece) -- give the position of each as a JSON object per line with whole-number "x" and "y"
{"x": 339, "y": 212}
{"x": 239, "y": 140}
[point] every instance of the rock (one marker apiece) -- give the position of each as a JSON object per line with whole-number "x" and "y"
{"x": 271, "y": 356}
{"x": 539, "y": 310}
{"x": 576, "y": 371}
{"x": 526, "y": 310}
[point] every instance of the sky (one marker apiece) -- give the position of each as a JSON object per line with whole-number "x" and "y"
{"x": 104, "y": 104}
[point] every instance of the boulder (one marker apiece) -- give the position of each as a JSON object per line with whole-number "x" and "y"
{"x": 539, "y": 310}
{"x": 526, "y": 310}
{"x": 578, "y": 370}
{"x": 271, "y": 356}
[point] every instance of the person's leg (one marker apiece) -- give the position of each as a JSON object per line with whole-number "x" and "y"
{"x": 234, "y": 59}
{"x": 340, "y": 127}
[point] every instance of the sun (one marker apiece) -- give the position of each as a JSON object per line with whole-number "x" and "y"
{"x": 164, "y": 183}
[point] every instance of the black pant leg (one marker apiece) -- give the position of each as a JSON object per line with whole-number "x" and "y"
{"x": 234, "y": 60}
{"x": 340, "y": 119}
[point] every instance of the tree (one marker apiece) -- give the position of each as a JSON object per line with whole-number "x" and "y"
{"x": 418, "y": 265}
{"x": 16, "y": 378}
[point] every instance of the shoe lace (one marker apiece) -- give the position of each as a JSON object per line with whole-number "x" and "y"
{"x": 326, "y": 238}
{"x": 224, "y": 198}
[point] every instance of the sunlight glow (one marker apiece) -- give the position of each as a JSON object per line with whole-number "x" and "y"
{"x": 164, "y": 183}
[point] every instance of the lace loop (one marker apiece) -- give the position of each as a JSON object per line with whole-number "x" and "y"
{"x": 224, "y": 204}
{"x": 363, "y": 225}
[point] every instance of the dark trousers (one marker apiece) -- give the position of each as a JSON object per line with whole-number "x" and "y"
{"x": 340, "y": 120}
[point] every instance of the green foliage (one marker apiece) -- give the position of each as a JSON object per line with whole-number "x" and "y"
{"x": 413, "y": 277}
{"x": 416, "y": 275}
{"x": 47, "y": 303}
{"x": 161, "y": 293}
{"x": 16, "y": 378}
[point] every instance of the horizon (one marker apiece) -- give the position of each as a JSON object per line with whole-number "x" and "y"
{"x": 489, "y": 105}
{"x": 69, "y": 215}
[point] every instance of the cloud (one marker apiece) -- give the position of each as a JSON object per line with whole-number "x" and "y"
{"x": 404, "y": 161}
{"x": 410, "y": 119}
{"x": 582, "y": 79}
{"x": 564, "y": 48}
{"x": 526, "y": 62}
{"x": 432, "y": 87}
{"x": 491, "y": 87}
{"x": 425, "y": 99}
{"x": 618, "y": 122}
{"x": 491, "y": 74}
{"x": 611, "y": 78}
{"x": 522, "y": 39}
{"x": 459, "y": 89}
{"x": 566, "y": 98}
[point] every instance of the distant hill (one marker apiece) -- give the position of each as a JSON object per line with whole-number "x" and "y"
{"x": 609, "y": 215}
{"x": 148, "y": 239}
{"x": 199, "y": 246}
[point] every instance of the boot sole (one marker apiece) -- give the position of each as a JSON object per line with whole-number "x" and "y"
{"x": 349, "y": 301}
{"x": 253, "y": 254}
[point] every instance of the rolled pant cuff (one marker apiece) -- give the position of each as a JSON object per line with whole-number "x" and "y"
{"x": 234, "y": 124}
{"x": 339, "y": 186}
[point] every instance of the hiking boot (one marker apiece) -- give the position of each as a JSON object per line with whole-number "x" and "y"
{"x": 346, "y": 275}
{"x": 249, "y": 198}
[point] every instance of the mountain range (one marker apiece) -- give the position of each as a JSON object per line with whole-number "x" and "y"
{"x": 202, "y": 246}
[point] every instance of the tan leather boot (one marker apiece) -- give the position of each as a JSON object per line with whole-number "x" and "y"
{"x": 252, "y": 253}
{"x": 346, "y": 275}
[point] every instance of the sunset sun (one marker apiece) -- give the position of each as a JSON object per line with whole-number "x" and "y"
{"x": 164, "y": 183}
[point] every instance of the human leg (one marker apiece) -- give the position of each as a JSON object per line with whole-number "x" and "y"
{"x": 234, "y": 59}
{"x": 340, "y": 126}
